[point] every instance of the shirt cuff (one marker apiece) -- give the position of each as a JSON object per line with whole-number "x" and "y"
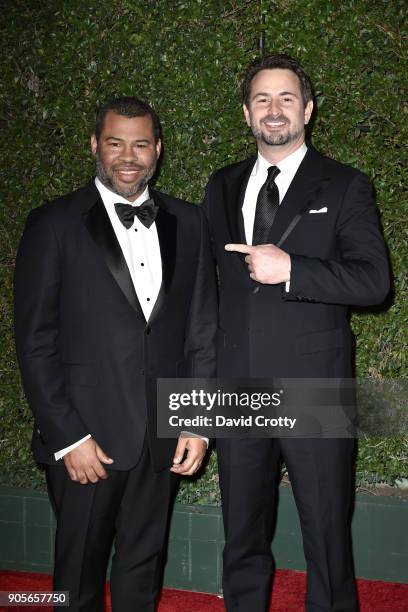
{"x": 189, "y": 434}
{"x": 60, "y": 454}
{"x": 287, "y": 283}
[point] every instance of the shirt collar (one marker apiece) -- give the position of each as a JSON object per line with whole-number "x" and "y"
{"x": 291, "y": 162}
{"x": 109, "y": 198}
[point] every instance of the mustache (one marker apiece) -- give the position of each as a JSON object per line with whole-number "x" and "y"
{"x": 273, "y": 118}
{"x": 127, "y": 167}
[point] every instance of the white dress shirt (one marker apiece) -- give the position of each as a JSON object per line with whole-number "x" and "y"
{"x": 141, "y": 250}
{"x": 140, "y": 247}
{"x": 288, "y": 168}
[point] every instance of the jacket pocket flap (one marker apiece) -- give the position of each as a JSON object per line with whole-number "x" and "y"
{"x": 320, "y": 341}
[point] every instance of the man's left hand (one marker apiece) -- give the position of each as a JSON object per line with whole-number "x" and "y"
{"x": 267, "y": 263}
{"x": 195, "y": 448}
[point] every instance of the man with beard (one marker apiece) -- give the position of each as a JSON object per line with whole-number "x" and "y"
{"x": 296, "y": 239}
{"x": 113, "y": 288}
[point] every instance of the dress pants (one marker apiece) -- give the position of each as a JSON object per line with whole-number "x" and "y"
{"x": 130, "y": 508}
{"x": 321, "y": 473}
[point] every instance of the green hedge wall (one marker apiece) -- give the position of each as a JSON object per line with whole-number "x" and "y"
{"x": 187, "y": 57}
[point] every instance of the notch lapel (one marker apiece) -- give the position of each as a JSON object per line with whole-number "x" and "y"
{"x": 100, "y": 228}
{"x": 234, "y": 194}
{"x": 305, "y": 187}
{"x": 234, "y": 197}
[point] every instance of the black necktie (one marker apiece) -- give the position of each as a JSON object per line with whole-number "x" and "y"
{"x": 146, "y": 213}
{"x": 267, "y": 206}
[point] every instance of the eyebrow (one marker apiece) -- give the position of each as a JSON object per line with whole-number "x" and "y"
{"x": 144, "y": 140}
{"x": 281, "y": 93}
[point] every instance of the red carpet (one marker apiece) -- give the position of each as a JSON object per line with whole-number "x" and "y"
{"x": 288, "y": 593}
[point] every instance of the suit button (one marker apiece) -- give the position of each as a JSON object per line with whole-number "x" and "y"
{"x": 142, "y": 372}
{"x": 148, "y": 330}
{"x": 256, "y": 290}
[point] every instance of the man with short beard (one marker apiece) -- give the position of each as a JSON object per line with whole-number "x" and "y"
{"x": 296, "y": 239}
{"x": 113, "y": 288}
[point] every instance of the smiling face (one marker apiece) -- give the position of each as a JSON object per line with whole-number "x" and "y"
{"x": 126, "y": 154}
{"x": 276, "y": 112}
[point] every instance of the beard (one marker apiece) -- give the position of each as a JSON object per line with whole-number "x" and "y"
{"x": 280, "y": 138}
{"x": 107, "y": 178}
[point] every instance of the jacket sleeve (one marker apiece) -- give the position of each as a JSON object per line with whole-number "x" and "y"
{"x": 359, "y": 274}
{"x": 200, "y": 343}
{"x": 37, "y": 285}
{"x": 206, "y": 207}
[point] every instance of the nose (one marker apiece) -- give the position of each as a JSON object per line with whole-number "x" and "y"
{"x": 129, "y": 152}
{"x": 274, "y": 106}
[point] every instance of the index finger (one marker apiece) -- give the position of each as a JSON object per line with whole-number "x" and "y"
{"x": 239, "y": 248}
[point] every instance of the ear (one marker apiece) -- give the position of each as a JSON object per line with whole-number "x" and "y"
{"x": 94, "y": 144}
{"x": 246, "y": 114}
{"x": 308, "y": 111}
{"x": 158, "y": 148}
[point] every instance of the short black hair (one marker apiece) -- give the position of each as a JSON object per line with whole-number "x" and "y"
{"x": 282, "y": 61}
{"x": 127, "y": 106}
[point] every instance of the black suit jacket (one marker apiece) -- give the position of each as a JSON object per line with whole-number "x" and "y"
{"x": 88, "y": 358}
{"x": 338, "y": 259}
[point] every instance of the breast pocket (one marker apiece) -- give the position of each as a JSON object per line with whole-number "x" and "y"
{"x": 313, "y": 219}
{"x": 313, "y": 236}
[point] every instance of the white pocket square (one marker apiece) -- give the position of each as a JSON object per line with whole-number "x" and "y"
{"x": 321, "y": 210}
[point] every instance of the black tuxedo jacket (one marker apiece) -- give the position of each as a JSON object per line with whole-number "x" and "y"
{"x": 338, "y": 259}
{"x": 89, "y": 359}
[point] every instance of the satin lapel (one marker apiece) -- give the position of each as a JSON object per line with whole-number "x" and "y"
{"x": 304, "y": 188}
{"x": 166, "y": 225}
{"x": 99, "y": 226}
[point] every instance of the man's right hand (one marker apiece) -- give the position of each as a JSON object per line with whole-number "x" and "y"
{"x": 84, "y": 463}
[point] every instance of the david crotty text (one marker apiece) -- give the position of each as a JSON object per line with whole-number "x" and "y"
{"x": 222, "y": 421}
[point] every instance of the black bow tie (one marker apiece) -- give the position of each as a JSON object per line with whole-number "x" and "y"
{"x": 146, "y": 213}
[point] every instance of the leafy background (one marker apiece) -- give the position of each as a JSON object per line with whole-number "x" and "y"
{"x": 62, "y": 57}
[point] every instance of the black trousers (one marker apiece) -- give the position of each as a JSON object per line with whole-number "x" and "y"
{"x": 130, "y": 508}
{"x": 321, "y": 474}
